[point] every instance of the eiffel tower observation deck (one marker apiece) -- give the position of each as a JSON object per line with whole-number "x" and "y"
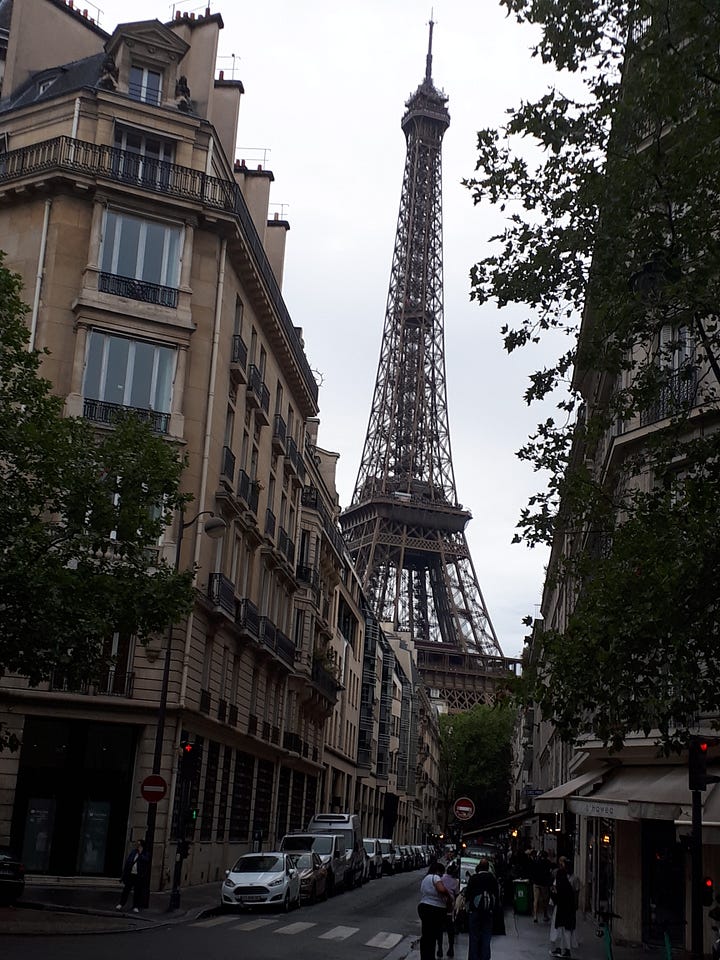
{"x": 405, "y": 527}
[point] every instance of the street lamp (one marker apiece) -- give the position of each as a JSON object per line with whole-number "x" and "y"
{"x": 214, "y": 527}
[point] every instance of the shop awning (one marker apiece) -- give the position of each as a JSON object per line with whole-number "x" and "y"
{"x": 512, "y": 818}
{"x": 554, "y": 800}
{"x": 650, "y": 792}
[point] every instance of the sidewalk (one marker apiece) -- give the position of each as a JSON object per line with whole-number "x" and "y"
{"x": 54, "y": 909}
{"x": 525, "y": 940}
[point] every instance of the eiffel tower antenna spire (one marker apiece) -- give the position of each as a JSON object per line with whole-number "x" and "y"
{"x": 405, "y": 527}
{"x": 428, "y": 59}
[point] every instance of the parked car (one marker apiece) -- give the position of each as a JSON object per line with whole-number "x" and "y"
{"x": 313, "y": 876}
{"x": 12, "y": 876}
{"x": 256, "y": 879}
{"x": 420, "y": 857}
{"x": 330, "y": 847}
{"x": 346, "y": 825}
{"x": 388, "y": 854}
{"x": 374, "y": 858}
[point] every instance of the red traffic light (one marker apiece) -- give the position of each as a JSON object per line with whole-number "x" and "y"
{"x": 187, "y": 747}
{"x": 702, "y": 745}
{"x": 706, "y": 895}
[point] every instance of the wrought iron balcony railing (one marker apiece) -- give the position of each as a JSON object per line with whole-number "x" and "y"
{"x": 247, "y": 617}
{"x": 221, "y": 590}
{"x": 99, "y": 411}
{"x": 248, "y": 491}
{"x": 227, "y": 469}
{"x": 257, "y": 388}
{"x": 279, "y": 433}
{"x": 239, "y": 351}
{"x": 285, "y": 648}
{"x": 80, "y": 157}
{"x": 676, "y": 396}
{"x": 308, "y": 575}
{"x": 138, "y": 290}
{"x": 325, "y": 681}
{"x": 269, "y": 523}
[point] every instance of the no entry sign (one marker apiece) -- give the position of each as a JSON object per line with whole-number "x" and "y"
{"x": 153, "y": 788}
{"x": 464, "y": 808}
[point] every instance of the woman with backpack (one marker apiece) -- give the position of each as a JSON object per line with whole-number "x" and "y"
{"x": 482, "y": 896}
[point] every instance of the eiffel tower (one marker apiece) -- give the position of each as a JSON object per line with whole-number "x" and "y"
{"x": 405, "y": 527}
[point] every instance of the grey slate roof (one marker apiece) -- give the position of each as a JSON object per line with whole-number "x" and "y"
{"x": 68, "y": 77}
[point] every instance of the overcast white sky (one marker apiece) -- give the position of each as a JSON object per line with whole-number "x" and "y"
{"x": 325, "y": 86}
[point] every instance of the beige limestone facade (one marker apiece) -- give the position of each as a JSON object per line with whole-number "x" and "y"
{"x": 153, "y": 279}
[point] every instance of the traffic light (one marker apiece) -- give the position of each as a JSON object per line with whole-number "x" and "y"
{"x": 697, "y": 763}
{"x": 189, "y": 760}
{"x": 708, "y": 891}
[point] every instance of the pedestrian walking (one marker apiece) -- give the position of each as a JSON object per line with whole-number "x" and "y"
{"x": 562, "y": 930}
{"x": 541, "y": 876}
{"x": 452, "y": 885}
{"x": 134, "y": 877}
{"x": 482, "y": 896}
{"x": 432, "y": 909}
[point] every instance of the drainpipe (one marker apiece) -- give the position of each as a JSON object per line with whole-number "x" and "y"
{"x": 206, "y": 454}
{"x": 39, "y": 276}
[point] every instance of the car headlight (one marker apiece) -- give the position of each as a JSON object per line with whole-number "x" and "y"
{"x": 229, "y": 884}
{"x": 276, "y": 883}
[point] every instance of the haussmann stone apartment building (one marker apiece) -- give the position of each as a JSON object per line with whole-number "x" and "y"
{"x": 154, "y": 280}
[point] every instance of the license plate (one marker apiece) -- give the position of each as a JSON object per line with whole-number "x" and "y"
{"x": 252, "y": 899}
{"x": 6, "y": 873}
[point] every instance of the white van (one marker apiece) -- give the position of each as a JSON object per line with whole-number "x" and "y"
{"x": 347, "y": 826}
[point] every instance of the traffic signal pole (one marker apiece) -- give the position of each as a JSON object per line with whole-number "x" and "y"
{"x": 696, "y": 875}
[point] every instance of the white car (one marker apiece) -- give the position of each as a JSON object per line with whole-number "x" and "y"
{"x": 262, "y": 879}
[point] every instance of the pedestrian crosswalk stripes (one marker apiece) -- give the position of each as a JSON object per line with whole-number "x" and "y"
{"x": 295, "y": 927}
{"x": 339, "y": 933}
{"x": 385, "y": 941}
{"x": 214, "y": 921}
{"x": 254, "y": 924}
{"x": 382, "y": 940}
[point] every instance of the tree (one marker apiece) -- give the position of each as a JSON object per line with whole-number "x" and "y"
{"x": 612, "y": 239}
{"x": 475, "y": 757}
{"x": 80, "y": 516}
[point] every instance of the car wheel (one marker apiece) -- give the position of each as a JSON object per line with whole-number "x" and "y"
{"x": 313, "y": 893}
{"x": 297, "y": 900}
{"x": 330, "y": 886}
{"x": 286, "y": 902}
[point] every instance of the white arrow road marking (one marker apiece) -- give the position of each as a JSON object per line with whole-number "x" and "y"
{"x": 296, "y": 927}
{"x": 339, "y": 933}
{"x": 385, "y": 941}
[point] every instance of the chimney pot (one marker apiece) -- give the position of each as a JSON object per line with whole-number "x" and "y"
{"x": 222, "y": 74}
{"x": 85, "y": 14}
{"x": 71, "y": 3}
{"x": 207, "y": 11}
{"x": 192, "y": 16}
{"x": 259, "y": 166}
{"x": 178, "y": 15}
{"x": 277, "y": 215}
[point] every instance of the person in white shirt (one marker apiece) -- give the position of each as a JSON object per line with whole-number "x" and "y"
{"x": 432, "y": 909}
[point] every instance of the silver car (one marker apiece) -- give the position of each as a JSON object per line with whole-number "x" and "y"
{"x": 262, "y": 879}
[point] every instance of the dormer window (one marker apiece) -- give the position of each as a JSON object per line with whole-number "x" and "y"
{"x": 145, "y": 84}
{"x": 45, "y": 85}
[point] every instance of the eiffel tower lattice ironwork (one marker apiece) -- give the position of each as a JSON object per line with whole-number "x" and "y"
{"x": 405, "y": 527}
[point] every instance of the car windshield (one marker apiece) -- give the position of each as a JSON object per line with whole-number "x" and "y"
{"x": 305, "y": 861}
{"x": 369, "y": 846}
{"x": 258, "y": 864}
{"x": 298, "y": 843}
{"x": 323, "y": 845}
{"x": 385, "y": 846}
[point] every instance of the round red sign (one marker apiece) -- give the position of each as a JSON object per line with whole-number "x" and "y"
{"x": 153, "y": 788}
{"x": 464, "y": 808}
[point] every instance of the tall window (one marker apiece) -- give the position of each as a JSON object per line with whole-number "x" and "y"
{"x": 144, "y": 158}
{"x": 128, "y": 373}
{"x": 145, "y": 84}
{"x": 141, "y": 249}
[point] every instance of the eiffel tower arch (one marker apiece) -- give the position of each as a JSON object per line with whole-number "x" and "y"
{"x": 405, "y": 527}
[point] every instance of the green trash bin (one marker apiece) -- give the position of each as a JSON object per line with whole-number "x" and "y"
{"x": 521, "y": 896}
